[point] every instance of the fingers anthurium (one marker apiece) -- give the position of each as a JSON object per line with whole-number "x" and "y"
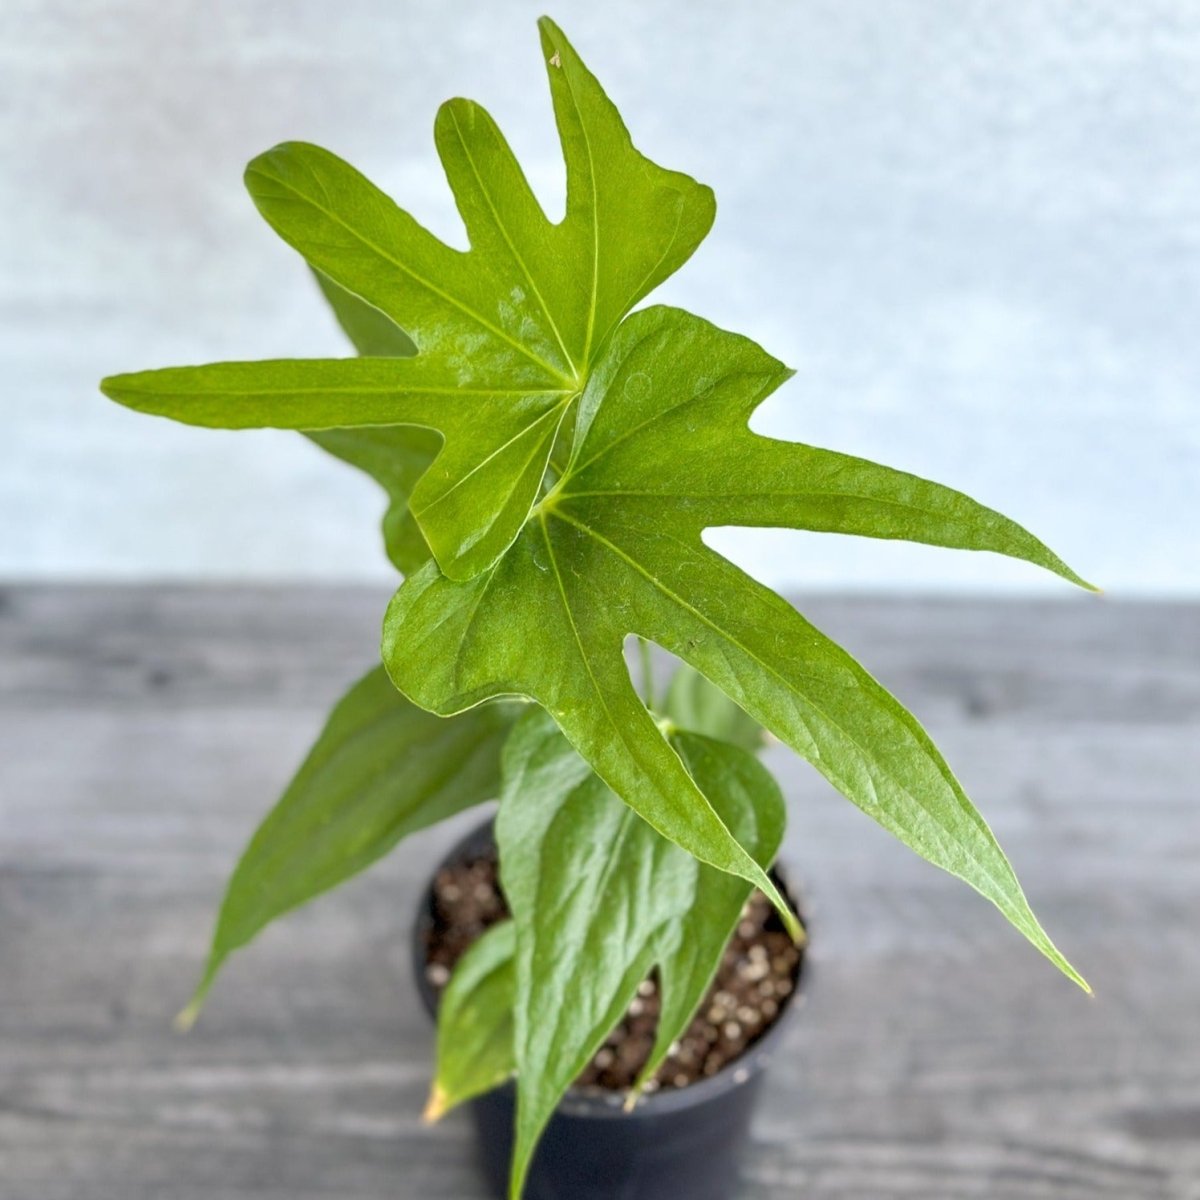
{"x": 506, "y": 332}
{"x": 552, "y": 459}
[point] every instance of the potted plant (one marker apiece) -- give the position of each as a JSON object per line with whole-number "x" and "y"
{"x": 552, "y": 455}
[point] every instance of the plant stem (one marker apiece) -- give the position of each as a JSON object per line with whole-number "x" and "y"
{"x": 647, "y": 672}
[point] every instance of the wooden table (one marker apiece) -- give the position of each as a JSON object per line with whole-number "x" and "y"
{"x": 145, "y": 730}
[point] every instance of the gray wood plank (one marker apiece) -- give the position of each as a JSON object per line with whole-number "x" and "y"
{"x": 143, "y": 732}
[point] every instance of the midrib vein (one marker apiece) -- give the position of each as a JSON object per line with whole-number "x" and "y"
{"x": 483, "y": 189}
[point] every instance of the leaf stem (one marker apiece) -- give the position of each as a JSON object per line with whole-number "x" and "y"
{"x": 647, "y": 672}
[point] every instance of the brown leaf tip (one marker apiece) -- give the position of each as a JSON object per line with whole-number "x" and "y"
{"x": 435, "y": 1106}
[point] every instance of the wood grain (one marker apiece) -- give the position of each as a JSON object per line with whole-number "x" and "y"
{"x": 143, "y": 732}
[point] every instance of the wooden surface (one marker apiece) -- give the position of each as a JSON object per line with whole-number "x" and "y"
{"x": 144, "y": 731}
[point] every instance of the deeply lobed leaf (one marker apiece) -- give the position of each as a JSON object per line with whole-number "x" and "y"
{"x": 506, "y": 332}
{"x": 565, "y": 464}
{"x": 616, "y": 548}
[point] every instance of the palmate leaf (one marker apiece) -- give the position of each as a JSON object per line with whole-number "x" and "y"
{"x": 381, "y": 769}
{"x": 506, "y": 332}
{"x": 662, "y": 452}
{"x": 598, "y": 900}
{"x": 522, "y": 362}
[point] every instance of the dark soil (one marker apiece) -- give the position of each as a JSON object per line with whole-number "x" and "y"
{"x": 757, "y": 976}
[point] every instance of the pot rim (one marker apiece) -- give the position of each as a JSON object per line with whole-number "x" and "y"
{"x": 599, "y": 1102}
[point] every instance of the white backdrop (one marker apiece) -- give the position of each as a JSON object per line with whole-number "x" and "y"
{"x": 973, "y": 228}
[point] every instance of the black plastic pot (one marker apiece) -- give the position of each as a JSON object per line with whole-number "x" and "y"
{"x": 677, "y": 1144}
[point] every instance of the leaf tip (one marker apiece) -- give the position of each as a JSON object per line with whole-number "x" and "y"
{"x": 1078, "y": 580}
{"x": 186, "y": 1018}
{"x": 260, "y": 162}
{"x": 791, "y": 922}
{"x": 264, "y": 171}
{"x": 555, "y": 46}
{"x": 119, "y": 389}
{"x": 1056, "y": 956}
{"x": 1075, "y": 977}
{"x": 795, "y": 928}
{"x": 436, "y": 1106}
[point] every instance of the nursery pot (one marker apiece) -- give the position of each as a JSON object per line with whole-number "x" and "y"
{"x": 677, "y": 1144}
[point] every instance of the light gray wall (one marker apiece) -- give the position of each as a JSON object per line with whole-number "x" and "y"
{"x": 973, "y": 228}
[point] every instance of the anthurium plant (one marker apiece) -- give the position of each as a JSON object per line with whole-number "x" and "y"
{"x": 552, "y": 455}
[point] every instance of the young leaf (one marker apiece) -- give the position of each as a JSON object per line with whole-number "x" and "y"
{"x": 616, "y": 548}
{"x": 380, "y": 769}
{"x": 598, "y": 899}
{"x": 475, "y": 1023}
{"x": 506, "y": 331}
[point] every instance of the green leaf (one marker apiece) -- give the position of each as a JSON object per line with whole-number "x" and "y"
{"x": 528, "y": 294}
{"x": 380, "y": 769}
{"x": 616, "y": 548}
{"x": 750, "y": 803}
{"x": 497, "y": 439}
{"x": 371, "y": 333}
{"x": 475, "y": 1023}
{"x": 394, "y": 456}
{"x": 507, "y": 331}
{"x": 695, "y": 704}
{"x": 599, "y": 898}
{"x": 663, "y": 438}
{"x": 544, "y": 625}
